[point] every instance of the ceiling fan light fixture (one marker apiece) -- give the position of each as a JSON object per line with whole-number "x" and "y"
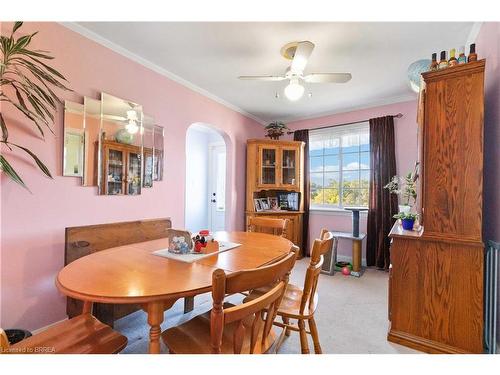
{"x": 132, "y": 127}
{"x": 132, "y": 115}
{"x": 294, "y": 90}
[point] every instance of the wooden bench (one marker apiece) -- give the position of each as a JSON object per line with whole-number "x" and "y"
{"x": 83, "y": 334}
{"x": 85, "y": 240}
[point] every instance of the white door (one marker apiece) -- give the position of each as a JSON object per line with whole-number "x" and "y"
{"x": 216, "y": 187}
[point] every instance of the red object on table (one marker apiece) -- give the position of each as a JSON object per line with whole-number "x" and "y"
{"x": 204, "y": 232}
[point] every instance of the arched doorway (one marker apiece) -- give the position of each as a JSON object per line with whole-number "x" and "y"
{"x": 206, "y": 179}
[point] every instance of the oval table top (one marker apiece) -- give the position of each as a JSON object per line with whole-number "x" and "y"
{"x": 132, "y": 274}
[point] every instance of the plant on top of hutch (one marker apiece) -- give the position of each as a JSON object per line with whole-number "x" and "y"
{"x": 275, "y": 182}
{"x": 276, "y": 129}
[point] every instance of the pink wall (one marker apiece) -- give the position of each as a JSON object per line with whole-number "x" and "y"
{"x": 488, "y": 47}
{"x": 32, "y": 225}
{"x": 406, "y": 155}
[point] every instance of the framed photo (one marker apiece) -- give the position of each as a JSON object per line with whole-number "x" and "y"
{"x": 257, "y": 205}
{"x": 273, "y": 204}
{"x": 264, "y": 202}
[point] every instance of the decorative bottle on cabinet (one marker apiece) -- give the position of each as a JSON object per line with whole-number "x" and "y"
{"x": 436, "y": 278}
{"x": 275, "y": 168}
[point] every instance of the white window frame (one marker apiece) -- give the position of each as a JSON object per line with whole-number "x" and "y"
{"x": 338, "y": 131}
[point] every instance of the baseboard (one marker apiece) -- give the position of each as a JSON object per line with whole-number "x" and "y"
{"x": 422, "y": 344}
{"x": 47, "y": 326}
{"x": 346, "y": 258}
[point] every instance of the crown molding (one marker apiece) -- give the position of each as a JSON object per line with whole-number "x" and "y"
{"x": 372, "y": 104}
{"x": 152, "y": 66}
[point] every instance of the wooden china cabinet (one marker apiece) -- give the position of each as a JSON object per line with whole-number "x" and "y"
{"x": 436, "y": 275}
{"x": 275, "y": 168}
{"x": 121, "y": 168}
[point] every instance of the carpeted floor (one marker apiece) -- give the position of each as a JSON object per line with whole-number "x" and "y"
{"x": 351, "y": 316}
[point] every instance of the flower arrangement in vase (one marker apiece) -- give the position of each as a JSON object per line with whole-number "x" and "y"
{"x": 406, "y": 188}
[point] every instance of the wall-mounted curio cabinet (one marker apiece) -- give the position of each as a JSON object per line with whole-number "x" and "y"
{"x": 110, "y": 143}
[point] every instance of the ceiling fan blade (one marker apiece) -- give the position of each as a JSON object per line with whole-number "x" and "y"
{"x": 300, "y": 57}
{"x": 328, "y": 77}
{"x": 262, "y": 78}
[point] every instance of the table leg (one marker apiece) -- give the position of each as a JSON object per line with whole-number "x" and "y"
{"x": 87, "y": 307}
{"x": 155, "y": 318}
{"x": 356, "y": 255}
{"x": 155, "y": 311}
{"x": 188, "y": 304}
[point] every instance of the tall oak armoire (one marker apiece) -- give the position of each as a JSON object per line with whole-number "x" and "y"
{"x": 436, "y": 275}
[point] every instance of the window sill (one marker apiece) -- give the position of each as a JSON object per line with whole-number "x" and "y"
{"x": 334, "y": 212}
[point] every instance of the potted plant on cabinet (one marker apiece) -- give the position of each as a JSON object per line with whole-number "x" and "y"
{"x": 407, "y": 219}
{"x": 406, "y": 188}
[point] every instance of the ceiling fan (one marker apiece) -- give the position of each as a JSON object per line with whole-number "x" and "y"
{"x": 299, "y": 53}
{"x": 131, "y": 120}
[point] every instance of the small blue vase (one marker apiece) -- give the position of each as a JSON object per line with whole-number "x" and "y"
{"x": 408, "y": 223}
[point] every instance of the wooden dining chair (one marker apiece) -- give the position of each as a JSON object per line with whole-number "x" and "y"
{"x": 235, "y": 329}
{"x": 83, "y": 334}
{"x": 278, "y": 227}
{"x": 299, "y": 303}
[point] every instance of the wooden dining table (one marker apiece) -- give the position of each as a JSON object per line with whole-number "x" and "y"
{"x": 132, "y": 274}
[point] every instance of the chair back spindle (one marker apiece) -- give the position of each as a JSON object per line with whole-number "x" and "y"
{"x": 278, "y": 227}
{"x": 319, "y": 248}
{"x": 254, "y": 317}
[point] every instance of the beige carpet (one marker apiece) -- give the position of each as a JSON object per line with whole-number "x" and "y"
{"x": 351, "y": 316}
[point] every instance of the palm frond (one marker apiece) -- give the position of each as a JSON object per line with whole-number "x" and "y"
{"x": 32, "y": 82}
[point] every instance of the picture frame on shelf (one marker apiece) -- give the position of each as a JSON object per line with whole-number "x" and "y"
{"x": 273, "y": 204}
{"x": 257, "y": 205}
{"x": 264, "y": 202}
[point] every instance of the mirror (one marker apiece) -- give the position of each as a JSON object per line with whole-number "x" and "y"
{"x": 73, "y": 154}
{"x": 148, "y": 150}
{"x": 158, "y": 153}
{"x": 92, "y": 124}
{"x": 120, "y": 167}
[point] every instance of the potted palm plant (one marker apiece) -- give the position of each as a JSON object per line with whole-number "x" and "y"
{"x": 27, "y": 82}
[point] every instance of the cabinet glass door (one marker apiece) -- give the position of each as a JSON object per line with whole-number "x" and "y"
{"x": 148, "y": 168}
{"x": 289, "y": 167}
{"x": 134, "y": 174}
{"x": 268, "y": 166}
{"x": 115, "y": 175}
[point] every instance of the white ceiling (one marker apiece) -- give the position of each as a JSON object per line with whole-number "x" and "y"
{"x": 211, "y": 55}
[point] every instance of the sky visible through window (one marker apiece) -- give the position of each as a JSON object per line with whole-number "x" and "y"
{"x": 340, "y": 166}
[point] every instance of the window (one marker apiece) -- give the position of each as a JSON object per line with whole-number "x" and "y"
{"x": 339, "y": 159}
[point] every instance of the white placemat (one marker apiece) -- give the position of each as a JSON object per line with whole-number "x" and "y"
{"x": 193, "y": 257}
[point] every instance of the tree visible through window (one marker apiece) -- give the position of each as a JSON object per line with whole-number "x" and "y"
{"x": 339, "y": 159}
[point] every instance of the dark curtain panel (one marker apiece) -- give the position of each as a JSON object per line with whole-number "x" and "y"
{"x": 303, "y": 135}
{"x": 382, "y": 205}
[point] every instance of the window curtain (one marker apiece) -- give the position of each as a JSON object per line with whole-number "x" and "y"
{"x": 303, "y": 136}
{"x": 382, "y": 205}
